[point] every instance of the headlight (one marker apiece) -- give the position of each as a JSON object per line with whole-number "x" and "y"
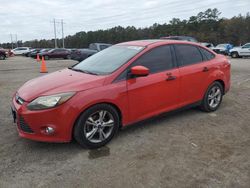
{"x": 51, "y": 101}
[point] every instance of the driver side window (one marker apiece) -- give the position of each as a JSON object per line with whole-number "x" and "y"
{"x": 246, "y": 46}
{"x": 156, "y": 60}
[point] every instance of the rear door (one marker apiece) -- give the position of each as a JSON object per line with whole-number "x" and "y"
{"x": 157, "y": 92}
{"x": 194, "y": 69}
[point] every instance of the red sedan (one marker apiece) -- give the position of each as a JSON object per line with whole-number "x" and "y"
{"x": 121, "y": 85}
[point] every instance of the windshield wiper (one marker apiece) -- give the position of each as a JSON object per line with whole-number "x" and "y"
{"x": 84, "y": 71}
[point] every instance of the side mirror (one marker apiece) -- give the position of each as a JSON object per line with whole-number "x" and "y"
{"x": 139, "y": 71}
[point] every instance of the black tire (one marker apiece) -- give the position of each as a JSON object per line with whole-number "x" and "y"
{"x": 206, "y": 104}
{"x": 235, "y": 55}
{"x": 46, "y": 57}
{"x": 2, "y": 57}
{"x": 68, "y": 57}
{"x": 80, "y": 133}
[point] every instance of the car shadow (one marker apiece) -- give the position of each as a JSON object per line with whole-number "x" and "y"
{"x": 160, "y": 119}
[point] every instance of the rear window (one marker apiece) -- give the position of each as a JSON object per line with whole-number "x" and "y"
{"x": 187, "y": 54}
{"x": 102, "y": 47}
{"x": 206, "y": 54}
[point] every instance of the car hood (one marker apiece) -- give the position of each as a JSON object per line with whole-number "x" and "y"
{"x": 58, "y": 82}
{"x": 218, "y": 48}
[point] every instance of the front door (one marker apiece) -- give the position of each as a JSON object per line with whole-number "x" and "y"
{"x": 157, "y": 92}
{"x": 245, "y": 50}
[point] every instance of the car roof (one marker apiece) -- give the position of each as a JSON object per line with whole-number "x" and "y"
{"x": 149, "y": 42}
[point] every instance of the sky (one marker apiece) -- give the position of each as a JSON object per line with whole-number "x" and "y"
{"x": 33, "y": 19}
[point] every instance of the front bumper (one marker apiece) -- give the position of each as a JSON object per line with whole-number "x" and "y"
{"x": 32, "y": 124}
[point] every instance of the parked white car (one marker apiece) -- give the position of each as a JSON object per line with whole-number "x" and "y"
{"x": 240, "y": 51}
{"x": 222, "y": 48}
{"x": 20, "y": 50}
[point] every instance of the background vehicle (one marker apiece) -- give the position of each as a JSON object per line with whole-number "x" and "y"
{"x": 20, "y": 50}
{"x": 3, "y": 54}
{"x": 121, "y": 85}
{"x": 56, "y": 53}
{"x": 207, "y": 44}
{"x": 184, "y": 38}
{"x": 81, "y": 54}
{"x": 242, "y": 51}
{"x": 35, "y": 52}
{"x": 27, "y": 54}
{"x": 222, "y": 48}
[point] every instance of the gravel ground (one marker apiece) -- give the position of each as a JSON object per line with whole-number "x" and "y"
{"x": 185, "y": 149}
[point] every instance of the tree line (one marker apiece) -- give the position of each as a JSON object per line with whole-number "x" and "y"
{"x": 206, "y": 26}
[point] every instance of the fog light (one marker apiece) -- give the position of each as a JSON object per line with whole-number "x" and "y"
{"x": 49, "y": 130}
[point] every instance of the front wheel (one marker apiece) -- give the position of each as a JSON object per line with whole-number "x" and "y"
{"x": 46, "y": 57}
{"x": 2, "y": 57}
{"x": 213, "y": 97}
{"x": 234, "y": 55}
{"x": 96, "y": 126}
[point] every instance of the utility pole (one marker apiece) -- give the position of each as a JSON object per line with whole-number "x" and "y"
{"x": 55, "y": 32}
{"x": 62, "y": 33}
{"x": 11, "y": 41}
{"x": 16, "y": 41}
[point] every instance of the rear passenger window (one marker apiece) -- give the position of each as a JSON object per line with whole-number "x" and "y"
{"x": 206, "y": 54}
{"x": 156, "y": 60}
{"x": 187, "y": 54}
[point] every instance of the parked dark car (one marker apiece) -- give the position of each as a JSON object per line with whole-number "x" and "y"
{"x": 35, "y": 52}
{"x": 3, "y": 54}
{"x": 184, "y": 38}
{"x": 81, "y": 54}
{"x": 56, "y": 53}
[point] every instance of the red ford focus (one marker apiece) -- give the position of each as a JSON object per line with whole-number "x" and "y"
{"x": 123, "y": 84}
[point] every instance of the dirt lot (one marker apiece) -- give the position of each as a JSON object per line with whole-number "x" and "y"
{"x": 185, "y": 149}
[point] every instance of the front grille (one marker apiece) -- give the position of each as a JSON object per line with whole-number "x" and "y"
{"x": 24, "y": 126}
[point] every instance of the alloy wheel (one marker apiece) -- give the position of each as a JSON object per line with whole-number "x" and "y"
{"x": 98, "y": 126}
{"x": 214, "y": 96}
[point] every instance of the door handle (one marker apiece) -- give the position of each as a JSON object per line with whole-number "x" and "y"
{"x": 205, "y": 69}
{"x": 170, "y": 77}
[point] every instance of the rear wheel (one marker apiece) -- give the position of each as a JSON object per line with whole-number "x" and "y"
{"x": 96, "y": 126}
{"x": 68, "y": 57}
{"x": 213, "y": 97}
{"x": 46, "y": 57}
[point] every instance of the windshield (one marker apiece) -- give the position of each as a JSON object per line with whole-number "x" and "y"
{"x": 221, "y": 45}
{"x": 51, "y": 50}
{"x": 43, "y": 50}
{"x": 108, "y": 60}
